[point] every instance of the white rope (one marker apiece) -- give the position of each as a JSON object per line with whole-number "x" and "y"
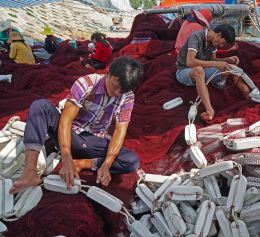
{"x": 210, "y": 79}
{"x": 254, "y": 23}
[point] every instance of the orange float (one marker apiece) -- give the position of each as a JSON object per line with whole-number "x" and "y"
{"x": 169, "y": 3}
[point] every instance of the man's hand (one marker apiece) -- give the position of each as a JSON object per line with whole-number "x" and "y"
{"x": 103, "y": 175}
{"x": 233, "y": 60}
{"x": 222, "y": 65}
{"x": 68, "y": 172}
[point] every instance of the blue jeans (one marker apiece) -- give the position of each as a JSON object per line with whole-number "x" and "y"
{"x": 41, "y": 53}
{"x": 183, "y": 76}
{"x": 44, "y": 119}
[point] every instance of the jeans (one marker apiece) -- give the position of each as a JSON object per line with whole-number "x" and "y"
{"x": 44, "y": 119}
{"x": 183, "y": 76}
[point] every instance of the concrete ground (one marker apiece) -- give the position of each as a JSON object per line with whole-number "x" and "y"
{"x": 68, "y": 19}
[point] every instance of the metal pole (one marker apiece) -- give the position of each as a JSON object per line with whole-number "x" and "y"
{"x": 217, "y": 10}
{"x": 162, "y": 11}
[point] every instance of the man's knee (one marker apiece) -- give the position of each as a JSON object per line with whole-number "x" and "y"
{"x": 197, "y": 72}
{"x": 39, "y": 104}
{"x": 133, "y": 162}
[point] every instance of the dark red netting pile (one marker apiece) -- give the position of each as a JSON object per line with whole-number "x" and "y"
{"x": 155, "y": 134}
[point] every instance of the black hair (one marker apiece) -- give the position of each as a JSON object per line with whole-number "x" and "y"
{"x": 99, "y": 37}
{"x": 20, "y": 40}
{"x": 128, "y": 71}
{"x": 227, "y": 31}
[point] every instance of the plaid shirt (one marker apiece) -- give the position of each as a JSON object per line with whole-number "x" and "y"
{"x": 96, "y": 109}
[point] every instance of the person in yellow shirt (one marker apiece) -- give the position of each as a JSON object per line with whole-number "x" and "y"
{"x": 20, "y": 52}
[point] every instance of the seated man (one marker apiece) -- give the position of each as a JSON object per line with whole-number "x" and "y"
{"x": 20, "y": 52}
{"x": 50, "y": 44}
{"x": 80, "y": 130}
{"x": 197, "y": 61}
{"x": 197, "y": 20}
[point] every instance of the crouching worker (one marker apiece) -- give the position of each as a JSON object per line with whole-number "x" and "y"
{"x": 102, "y": 52}
{"x": 20, "y": 52}
{"x": 80, "y": 129}
{"x": 197, "y": 62}
{"x": 50, "y": 44}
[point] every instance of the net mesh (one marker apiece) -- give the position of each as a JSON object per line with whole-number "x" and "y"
{"x": 24, "y": 3}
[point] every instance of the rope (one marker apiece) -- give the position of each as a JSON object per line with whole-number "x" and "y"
{"x": 254, "y": 23}
{"x": 256, "y": 12}
{"x": 198, "y": 101}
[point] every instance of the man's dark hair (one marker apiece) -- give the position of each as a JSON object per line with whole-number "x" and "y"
{"x": 227, "y": 32}
{"x": 128, "y": 72}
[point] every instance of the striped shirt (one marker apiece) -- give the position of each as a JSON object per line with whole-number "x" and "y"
{"x": 96, "y": 109}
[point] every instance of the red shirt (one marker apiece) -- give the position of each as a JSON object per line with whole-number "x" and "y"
{"x": 185, "y": 31}
{"x": 103, "y": 52}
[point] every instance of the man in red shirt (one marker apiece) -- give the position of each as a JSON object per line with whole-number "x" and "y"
{"x": 102, "y": 52}
{"x": 197, "y": 20}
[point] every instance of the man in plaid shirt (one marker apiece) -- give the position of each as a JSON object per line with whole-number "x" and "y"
{"x": 80, "y": 130}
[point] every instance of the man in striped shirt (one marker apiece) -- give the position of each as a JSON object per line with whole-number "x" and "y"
{"x": 80, "y": 131}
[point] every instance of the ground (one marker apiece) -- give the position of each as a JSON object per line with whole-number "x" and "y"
{"x": 67, "y": 19}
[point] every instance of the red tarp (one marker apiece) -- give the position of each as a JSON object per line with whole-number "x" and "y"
{"x": 155, "y": 134}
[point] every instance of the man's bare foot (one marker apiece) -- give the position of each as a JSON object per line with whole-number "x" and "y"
{"x": 77, "y": 165}
{"x": 27, "y": 180}
{"x": 82, "y": 164}
{"x": 207, "y": 116}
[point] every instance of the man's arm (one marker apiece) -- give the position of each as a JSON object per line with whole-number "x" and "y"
{"x": 232, "y": 59}
{"x": 114, "y": 147}
{"x": 192, "y": 61}
{"x": 68, "y": 170}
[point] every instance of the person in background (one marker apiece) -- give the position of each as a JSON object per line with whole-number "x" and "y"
{"x": 5, "y": 30}
{"x": 197, "y": 62}
{"x": 197, "y": 20}
{"x": 50, "y": 44}
{"x": 102, "y": 52}
{"x": 80, "y": 130}
{"x": 20, "y": 52}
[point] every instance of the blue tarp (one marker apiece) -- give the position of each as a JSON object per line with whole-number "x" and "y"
{"x": 23, "y": 3}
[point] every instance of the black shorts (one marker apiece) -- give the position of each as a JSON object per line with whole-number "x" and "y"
{"x": 93, "y": 63}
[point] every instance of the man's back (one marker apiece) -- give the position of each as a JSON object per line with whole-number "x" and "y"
{"x": 21, "y": 53}
{"x": 50, "y": 44}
